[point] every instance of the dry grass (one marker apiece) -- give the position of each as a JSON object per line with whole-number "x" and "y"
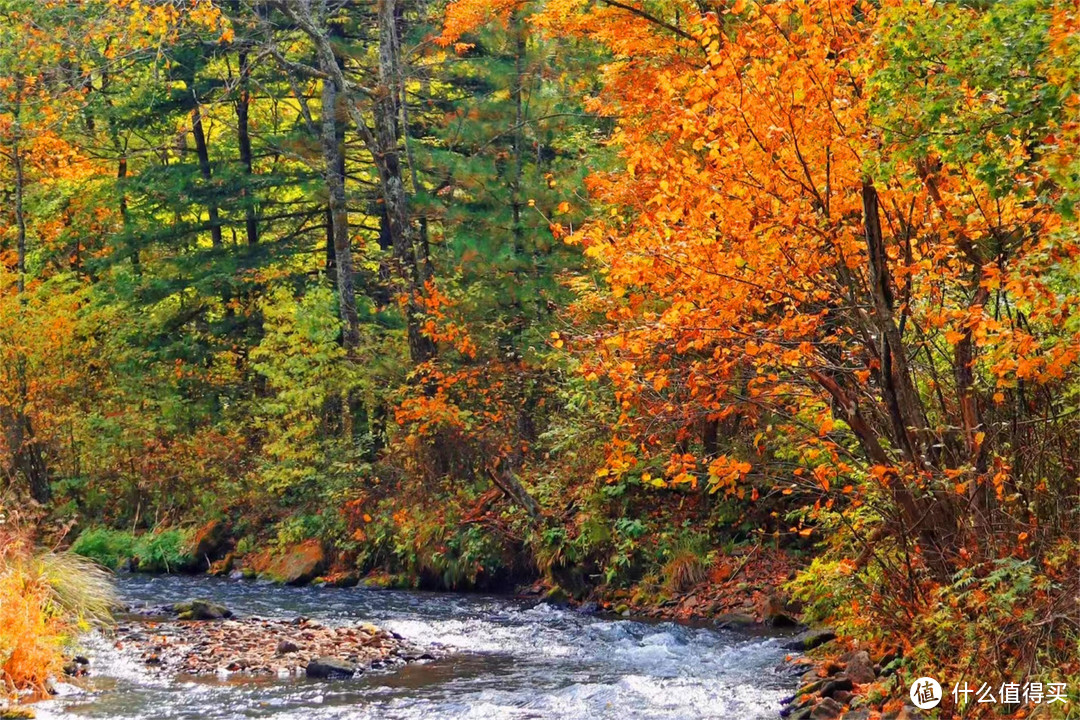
{"x": 32, "y": 632}
{"x": 685, "y": 570}
{"x": 46, "y": 598}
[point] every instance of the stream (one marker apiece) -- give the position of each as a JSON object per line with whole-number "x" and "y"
{"x": 501, "y": 658}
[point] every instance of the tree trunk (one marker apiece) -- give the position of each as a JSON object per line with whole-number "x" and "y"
{"x": 339, "y": 217}
{"x": 204, "y": 170}
{"x": 331, "y": 254}
{"x": 26, "y": 454}
{"x": 382, "y": 142}
{"x": 251, "y": 223}
{"x": 388, "y": 162}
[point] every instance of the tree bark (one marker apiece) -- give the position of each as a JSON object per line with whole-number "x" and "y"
{"x": 204, "y": 170}
{"x": 243, "y": 103}
{"x": 388, "y": 162}
{"x": 339, "y": 217}
{"x": 905, "y": 407}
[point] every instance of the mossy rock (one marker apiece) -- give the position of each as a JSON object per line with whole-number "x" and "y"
{"x": 201, "y": 610}
{"x": 556, "y": 596}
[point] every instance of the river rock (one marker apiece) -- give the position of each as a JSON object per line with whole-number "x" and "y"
{"x": 199, "y": 609}
{"x": 860, "y": 669}
{"x": 779, "y": 613}
{"x": 298, "y": 565}
{"x": 838, "y": 683}
{"x": 734, "y": 621}
{"x": 326, "y": 668}
{"x": 557, "y": 597}
{"x": 286, "y": 646}
{"x": 250, "y": 646}
{"x": 810, "y": 639}
{"x": 827, "y": 709}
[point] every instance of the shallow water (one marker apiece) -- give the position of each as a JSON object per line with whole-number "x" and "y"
{"x": 506, "y": 660}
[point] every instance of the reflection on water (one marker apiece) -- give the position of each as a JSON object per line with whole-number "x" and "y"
{"x": 507, "y": 660}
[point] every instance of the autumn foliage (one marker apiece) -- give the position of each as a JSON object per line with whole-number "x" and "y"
{"x": 578, "y": 291}
{"x": 847, "y": 231}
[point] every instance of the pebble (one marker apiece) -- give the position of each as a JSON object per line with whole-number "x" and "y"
{"x": 254, "y": 646}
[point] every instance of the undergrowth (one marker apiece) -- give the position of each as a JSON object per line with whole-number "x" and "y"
{"x": 46, "y": 599}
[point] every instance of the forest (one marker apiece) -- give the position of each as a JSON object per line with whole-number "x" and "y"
{"x": 754, "y": 312}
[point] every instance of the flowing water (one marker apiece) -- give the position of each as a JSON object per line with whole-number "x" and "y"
{"x": 501, "y": 659}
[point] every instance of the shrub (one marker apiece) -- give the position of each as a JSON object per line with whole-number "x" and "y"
{"x": 111, "y": 548}
{"x": 160, "y": 551}
{"x": 164, "y": 551}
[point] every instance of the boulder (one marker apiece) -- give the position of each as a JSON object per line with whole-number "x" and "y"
{"x": 734, "y": 621}
{"x": 556, "y": 596}
{"x": 287, "y": 646}
{"x": 326, "y": 668}
{"x": 222, "y": 567}
{"x": 209, "y": 542}
{"x": 810, "y": 639}
{"x": 299, "y": 565}
{"x": 779, "y": 613}
{"x": 838, "y": 683}
{"x": 827, "y": 709}
{"x": 860, "y": 669}
{"x": 343, "y": 580}
{"x": 201, "y": 610}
